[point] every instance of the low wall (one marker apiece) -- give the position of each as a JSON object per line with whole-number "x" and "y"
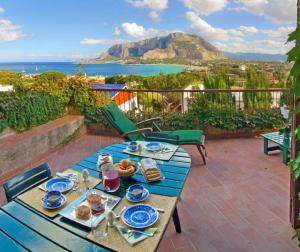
{"x": 18, "y": 149}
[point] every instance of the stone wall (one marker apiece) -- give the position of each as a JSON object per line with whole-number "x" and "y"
{"x": 19, "y": 149}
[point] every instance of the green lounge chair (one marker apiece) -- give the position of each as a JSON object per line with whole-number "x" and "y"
{"x": 131, "y": 132}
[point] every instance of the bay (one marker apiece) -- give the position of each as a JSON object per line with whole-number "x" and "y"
{"x": 91, "y": 69}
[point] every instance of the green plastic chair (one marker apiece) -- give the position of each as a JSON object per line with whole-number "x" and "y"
{"x": 132, "y": 132}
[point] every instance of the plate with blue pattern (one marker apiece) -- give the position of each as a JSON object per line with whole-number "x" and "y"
{"x": 140, "y": 216}
{"x": 59, "y": 184}
{"x": 154, "y": 146}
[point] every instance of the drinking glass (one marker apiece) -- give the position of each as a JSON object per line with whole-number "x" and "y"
{"x": 111, "y": 181}
{"x": 99, "y": 231}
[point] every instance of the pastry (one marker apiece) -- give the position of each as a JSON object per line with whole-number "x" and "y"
{"x": 150, "y": 170}
{"x": 83, "y": 212}
{"x": 94, "y": 199}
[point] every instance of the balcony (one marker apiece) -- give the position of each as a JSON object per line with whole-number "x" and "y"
{"x": 240, "y": 200}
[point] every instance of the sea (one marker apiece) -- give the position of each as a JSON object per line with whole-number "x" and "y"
{"x": 91, "y": 69}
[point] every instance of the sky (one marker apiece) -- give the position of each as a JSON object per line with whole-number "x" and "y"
{"x": 69, "y": 29}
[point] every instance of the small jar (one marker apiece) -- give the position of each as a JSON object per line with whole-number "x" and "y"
{"x": 85, "y": 175}
{"x": 111, "y": 218}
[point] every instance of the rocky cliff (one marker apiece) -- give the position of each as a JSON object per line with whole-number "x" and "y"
{"x": 171, "y": 47}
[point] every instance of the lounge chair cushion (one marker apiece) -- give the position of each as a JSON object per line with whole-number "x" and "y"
{"x": 187, "y": 136}
{"x": 120, "y": 121}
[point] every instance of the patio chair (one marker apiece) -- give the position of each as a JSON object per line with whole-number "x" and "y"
{"x": 130, "y": 130}
{"x": 25, "y": 181}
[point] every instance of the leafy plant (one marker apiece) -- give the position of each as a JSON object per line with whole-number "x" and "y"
{"x": 294, "y": 56}
{"x": 22, "y": 111}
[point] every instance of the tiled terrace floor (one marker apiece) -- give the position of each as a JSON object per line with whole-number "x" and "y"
{"x": 239, "y": 202}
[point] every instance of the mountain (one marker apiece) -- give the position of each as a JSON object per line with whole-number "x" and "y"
{"x": 175, "y": 47}
{"x": 256, "y": 56}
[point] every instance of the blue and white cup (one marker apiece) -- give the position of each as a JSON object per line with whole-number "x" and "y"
{"x": 136, "y": 191}
{"x": 52, "y": 198}
{"x": 133, "y": 146}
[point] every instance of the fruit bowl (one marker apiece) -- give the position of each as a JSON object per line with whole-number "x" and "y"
{"x": 126, "y": 168}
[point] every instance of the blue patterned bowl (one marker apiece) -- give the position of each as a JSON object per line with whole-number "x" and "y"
{"x": 53, "y": 198}
{"x": 132, "y": 146}
{"x": 140, "y": 216}
{"x": 133, "y": 189}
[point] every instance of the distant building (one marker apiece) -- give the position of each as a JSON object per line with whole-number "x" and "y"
{"x": 188, "y": 95}
{"x": 243, "y": 67}
{"x": 6, "y": 88}
{"x": 125, "y": 100}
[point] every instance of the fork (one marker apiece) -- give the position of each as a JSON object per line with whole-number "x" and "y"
{"x": 130, "y": 231}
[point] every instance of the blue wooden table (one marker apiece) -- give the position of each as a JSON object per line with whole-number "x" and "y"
{"x": 24, "y": 229}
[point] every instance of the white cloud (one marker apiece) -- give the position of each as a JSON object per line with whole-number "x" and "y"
{"x": 2, "y": 10}
{"x": 117, "y": 31}
{"x": 278, "y": 11}
{"x": 97, "y": 41}
{"x": 157, "y": 5}
{"x": 211, "y": 33}
{"x": 138, "y": 31}
{"x": 154, "y": 15}
{"x": 204, "y": 29}
{"x": 205, "y": 7}
{"x": 256, "y": 46}
{"x": 238, "y": 40}
{"x": 9, "y": 31}
{"x": 280, "y": 34}
{"x": 154, "y": 5}
{"x": 243, "y": 31}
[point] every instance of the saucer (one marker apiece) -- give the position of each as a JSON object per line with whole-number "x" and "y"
{"x": 144, "y": 196}
{"x": 48, "y": 206}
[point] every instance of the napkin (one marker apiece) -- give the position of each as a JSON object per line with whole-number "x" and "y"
{"x": 71, "y": 176}
{"x": 135, "y": 237}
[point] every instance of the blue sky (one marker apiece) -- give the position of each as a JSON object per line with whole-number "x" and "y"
{"x": 68, "y": 29}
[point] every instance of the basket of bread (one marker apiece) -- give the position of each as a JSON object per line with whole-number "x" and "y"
{"x": 126, "y": 168}
{"x": 150, "y": 170}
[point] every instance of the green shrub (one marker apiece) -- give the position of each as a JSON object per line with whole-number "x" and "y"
{"x": 22, "y": 111}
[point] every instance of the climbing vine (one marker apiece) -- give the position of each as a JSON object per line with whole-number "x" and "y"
{"x": 294, "y": 56}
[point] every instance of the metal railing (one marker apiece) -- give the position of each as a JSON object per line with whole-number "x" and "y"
{"x": 161, "y": 102}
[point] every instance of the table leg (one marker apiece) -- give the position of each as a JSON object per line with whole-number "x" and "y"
{"x": 266, "y": 146}
{"x": 285, "y": 156}
{"x": 176, "y": 221}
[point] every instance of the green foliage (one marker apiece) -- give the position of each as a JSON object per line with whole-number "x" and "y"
{"x": 49, "y": 77}
{"x": 294, "y": 56}
{"x": 255, "y": 100}
{"x": 9, "y": 78}
{"x": 224, "y": 116}
{"x": 22, "y": 111}
{"x": 14, "y": 79}
{"x": 161, "y": 81}
{"x": 46, "y": 97}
